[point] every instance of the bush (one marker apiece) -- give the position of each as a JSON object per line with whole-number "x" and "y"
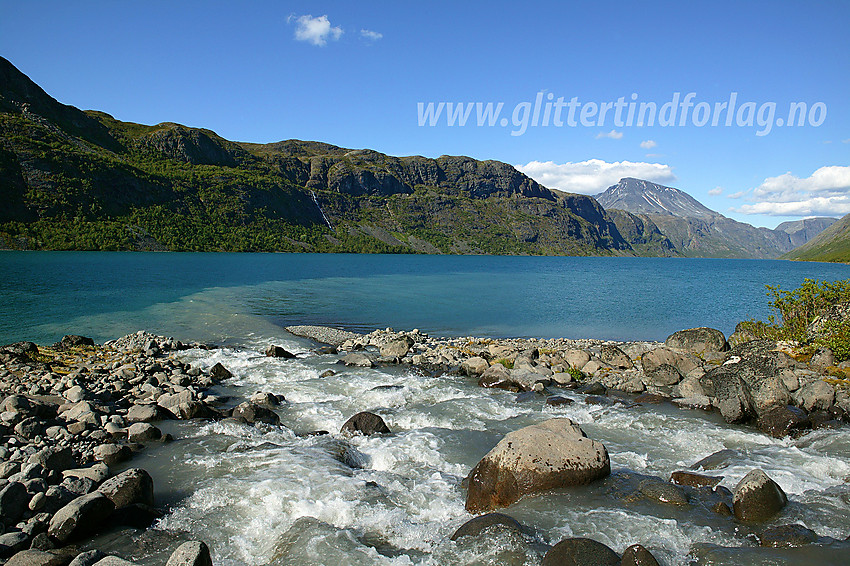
{"x": 576, "y": 374}
{"x": 797, "y": 309}
{"x": 509, "y": 364}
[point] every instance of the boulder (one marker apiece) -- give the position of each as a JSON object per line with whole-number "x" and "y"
{"x": 147, "y": 413}
{"x": 475, "y": 526}
{"x": 663, "y": 376}
{"x": 694, "y": 480}
{"x": 53, "y": 458}
{"x": 576, "y": 358}
{"x": 365, "y": 423}
{"x": 555, "y": 453}
{"x": 397, "y": 348}
{"x": 637, "y": 555}
{"x": 14, "y": 501}
{"x": 816, "y": 395}
{"x": 474, "y": 366}
{"x": 112, "y": 454}
{"x": 770, "y": 392}
{"x": 684, "y": 363}
{"x": 36, "y": 558}
{"x": 615, "y": 357}
{"x": 87, "y": 558}
{"x": 698, "y": 341}
{"x": 192, "y": 553}
{"x": 277, "y": 352}
{"x": 498, "y": 376}
{"x": 72, "y": 341}
{"x": 130, "y": 486}
{"x": 580, "y": 552}
{"x": 143, "y": 432}
{"x": 731, "y": 392}
{"x": 822, "y": 359}
{"x": 113, "y": 561}
{"x": 757, "y": 498}
{"x": 252, "y": 414}
{"x": 357, "y": 359}
{"x": 219, "y": 373}
{"x": 80, "y": 517}
{"x": 783, "y": 420}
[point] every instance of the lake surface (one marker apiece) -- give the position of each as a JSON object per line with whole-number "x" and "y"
{"x": 233, "y": 298}
{"x": 275, "y": 496}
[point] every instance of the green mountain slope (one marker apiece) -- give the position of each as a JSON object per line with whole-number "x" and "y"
{"x": 83, "y": 180}
{"x": 833, "y": 244}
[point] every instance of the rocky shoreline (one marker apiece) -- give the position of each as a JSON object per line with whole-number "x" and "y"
{"x": 74, "y": 411}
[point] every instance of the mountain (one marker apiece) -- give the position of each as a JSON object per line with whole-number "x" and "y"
{"x": 692, "y": 229}
{"x": 643, "y": 197}
{"x": 833, "y": 244}
{"x": 801, "y": 231}
{"x": 71, "y": 179}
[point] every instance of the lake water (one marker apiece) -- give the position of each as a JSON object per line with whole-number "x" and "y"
{"x": 233, "y": 298}
{"x": 271, "y": 495}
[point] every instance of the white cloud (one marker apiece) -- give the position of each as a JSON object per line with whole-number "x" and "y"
{"x": 846, "y": 141}
{"x": 370, "y": 35}
{"x": 613, "y": 134}
{"x": 594, "y": 175}
{"x": 648, "y": 144}
{"x": 716, "y": 191}
{"x": 315, "y": 30}
{"x": 825, "y": 193}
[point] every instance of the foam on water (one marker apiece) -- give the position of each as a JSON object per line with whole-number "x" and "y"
{"x": 265, "y": 495}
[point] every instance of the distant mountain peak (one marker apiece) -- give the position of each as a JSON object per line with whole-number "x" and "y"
{"x": 645, "y": 197}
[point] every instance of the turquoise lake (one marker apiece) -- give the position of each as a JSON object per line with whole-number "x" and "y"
{"x": 236, "y": 298}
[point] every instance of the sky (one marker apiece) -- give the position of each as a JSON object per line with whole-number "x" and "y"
{"x": 590, "y": 91}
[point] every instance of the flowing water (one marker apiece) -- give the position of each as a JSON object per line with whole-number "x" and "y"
{"x": 279, "y": 495}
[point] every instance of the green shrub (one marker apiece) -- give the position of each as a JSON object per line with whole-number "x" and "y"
{"x": 576, "y": 374}
{"x": 836, "y": 337}
{"x": 509, "y": 364}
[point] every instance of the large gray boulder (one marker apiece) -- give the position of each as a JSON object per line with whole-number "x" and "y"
{"x": 552, "y": 454}
{"x": 580, "y": 552}
{"x": 365, "y": 423}
{"x": 498, "y": 376}
{"x": 698, "y": 341}
{"x": 637, "y": 555}
{"x": 252, "y": 414}
{"x": 615, "y": 357}
{"x": 684, "y": 363}
{"x": 82, "y": 516}
{"x": 397, "y": 348}
{"x": 130, "y": 486}
{"x": 192, "y": 553}
{"x": 36, "y": 558}
{"x": 757, "y": 498}
{"x": 14, "y": 499}
{"x": 731, "y": 394}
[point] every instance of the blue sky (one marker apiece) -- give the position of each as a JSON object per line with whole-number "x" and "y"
{"x": 353, "y": 74}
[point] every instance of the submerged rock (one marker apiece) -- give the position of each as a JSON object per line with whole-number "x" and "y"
{"x": 787, "y": 536}
{"x": 580, "y": 552}
{"x": 555, "y": 453}
{"x": 475, "y": 526}
{"x": 637, "y": 555}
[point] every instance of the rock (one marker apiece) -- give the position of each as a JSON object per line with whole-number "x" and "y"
{"x": 192, "y": 553}
{"x": 72, "y": 341}
{"x": 785, "y": 536}
{"x": 731, "y": 392}
{"x": 719, "y": 459}
{"x": 475, "y": 526}
{"x": 555, "y": 453}
{"x": 147, "y": 413}
{"x": 80, "y": 517}
{"x": 397, "y": 348}
{"x": 278, "y": 352}
{"x": 822, "y": 359}
{"x": 663, "y": 376}
{"x": 770, "y": 392}
{"x": 136, "y": 515}
{"x": 637, "y": 555}
{"x": 694, "y": 480}
{"x": 684, "y": 363}
{"x": 558, "y": 401}
{"x": 327, "y": 373}
{"x": 661, "y": 491}
{"x": 113, "y": 561}
{"x": 757, "y": 497}
{"x": 816, "y": 395}
{"x": 143, "y": 432}
{"x": 498, "y": 376}
{"x": 562, "y": 378}
{"x": 267, "y": 400}
{"x": 112, "y": 454}
{"x": 36, "y": 558}
{"x": 219, "y": 373}
{"x": 697, "y": 341}
{"x": 14, "y": 502}
{"x": 474, "y": 366}
{"x": 592, "y": 388}
{"x": 592, "y": 367}
{"x": 11, "y": 543}
{"x": 580, "y": 552}
{"x": 252, "y": 414}
{"x": 130, "y": 486}
{"x": 357, "y": 359}
{"x": 87, "y": 558}
{"x": 576, "y": 358}
{"x": 783, "y": 420}
{"x": 615, "y": 357}
{"x": 56, "y": 459}
{"x": 96, "y": 472}
{"x": 365, "y": 423}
